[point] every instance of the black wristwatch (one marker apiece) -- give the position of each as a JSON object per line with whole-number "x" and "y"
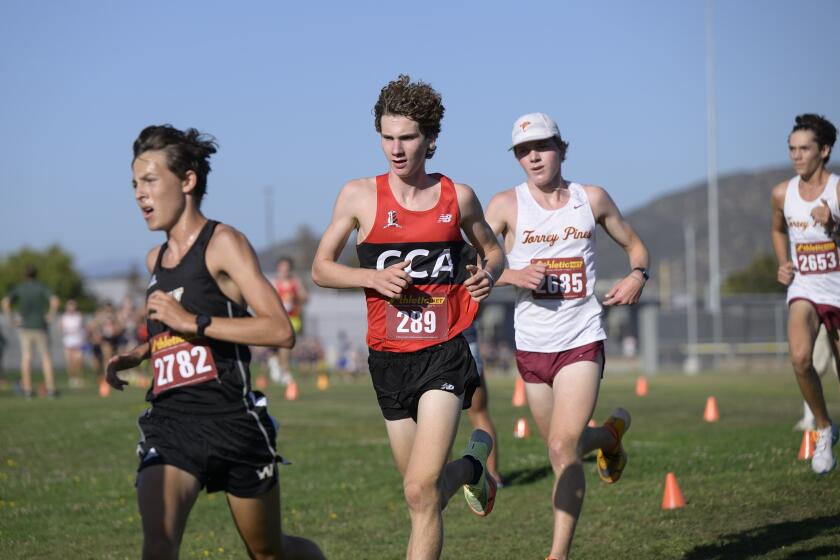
{"x": 644, "y": 272}
{"x": 202, "y": 322}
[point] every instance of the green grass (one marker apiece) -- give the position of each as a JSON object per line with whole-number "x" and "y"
{"x": 67, "y": 472}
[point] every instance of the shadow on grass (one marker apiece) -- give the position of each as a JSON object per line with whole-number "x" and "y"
{"x": 757, "y": 542}
{"x": 523, "y": 477}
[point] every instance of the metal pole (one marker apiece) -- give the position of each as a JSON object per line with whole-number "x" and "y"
{"x": 711, "y": 138}
{"x": 692, "y": 362}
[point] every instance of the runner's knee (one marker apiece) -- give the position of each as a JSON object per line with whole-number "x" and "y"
{"x": 421, "y": 495}
{"x": 160, "y": 547}
{"x": 802, "y": 359}
{"x": 563, "y": 450}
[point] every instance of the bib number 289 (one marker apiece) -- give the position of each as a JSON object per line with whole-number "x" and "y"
{"x": 422, "y": 322}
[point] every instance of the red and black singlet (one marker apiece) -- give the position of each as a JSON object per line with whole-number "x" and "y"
{"x": 436, "y": 307}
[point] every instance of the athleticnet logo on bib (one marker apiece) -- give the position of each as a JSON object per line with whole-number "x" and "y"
{"x": 817, "y": 258}
{"x": 565, "y": 278}
{"x": 177, "y": 362}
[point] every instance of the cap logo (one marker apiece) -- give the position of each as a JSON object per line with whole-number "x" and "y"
{"x": 525, "y": 125}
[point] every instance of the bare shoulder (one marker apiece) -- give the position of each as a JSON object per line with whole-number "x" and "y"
{"x": 361, "y": 189}
{"x": 777, "y": 195}
{"x": 599, "y": 200}
{"x": 464, "y": 191}
{"x": 151, "y": 258}
{"x": 502, "y": 202}
{"x": 227, "y": 238}
{"x": 595, "y": 192}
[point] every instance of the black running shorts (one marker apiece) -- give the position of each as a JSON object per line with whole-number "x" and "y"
{"x": 401, "y": 378}
{"x": 234, "y": 452}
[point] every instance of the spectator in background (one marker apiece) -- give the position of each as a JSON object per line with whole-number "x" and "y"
{"x": 110, "y": 330}
{"x": 73, "y": 337}
{"x": 36, "y": 307}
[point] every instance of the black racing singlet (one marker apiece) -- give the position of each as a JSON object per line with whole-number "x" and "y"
{"x": 191, "y": 374}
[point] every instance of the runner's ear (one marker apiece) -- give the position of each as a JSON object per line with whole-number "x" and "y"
{"x": 189, "y": 182}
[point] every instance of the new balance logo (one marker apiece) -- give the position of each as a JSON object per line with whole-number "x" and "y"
{"x": 392, "y": 219}
{"x": 447, "y": 387}
{"x": 266, "y": 471}
{"x": 445, "y": 218}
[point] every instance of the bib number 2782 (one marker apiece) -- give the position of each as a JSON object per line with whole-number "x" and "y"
{"x": 181, "y": 364}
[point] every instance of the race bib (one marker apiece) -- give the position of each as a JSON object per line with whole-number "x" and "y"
{"x": 417, "y": 316}
{"x": 565, "y": 278}
{"x": 177, "y": 362}
{"x": 817, "y": 258}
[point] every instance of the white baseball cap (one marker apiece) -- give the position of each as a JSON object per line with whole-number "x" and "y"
{"x": 533, "y": 126}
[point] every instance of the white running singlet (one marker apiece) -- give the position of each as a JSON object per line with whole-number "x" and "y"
{"x": 563, "y": 313}
{"x": 813, "y": 252}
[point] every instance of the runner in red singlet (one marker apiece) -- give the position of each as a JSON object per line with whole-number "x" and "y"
{"x": 293, "y": 294}
{"x": 422, "y": 291}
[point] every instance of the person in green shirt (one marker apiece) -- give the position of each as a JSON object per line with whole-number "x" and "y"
{"x": 36, "y": 306}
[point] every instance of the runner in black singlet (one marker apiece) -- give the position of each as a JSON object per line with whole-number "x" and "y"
{"x": 205, "y": 427}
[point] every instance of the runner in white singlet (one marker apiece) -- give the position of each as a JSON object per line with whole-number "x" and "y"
{"x": 548, "y": 226}
{"x": 805, "y": 233}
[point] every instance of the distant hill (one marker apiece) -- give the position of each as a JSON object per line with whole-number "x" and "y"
{"x": 744, "y": 217}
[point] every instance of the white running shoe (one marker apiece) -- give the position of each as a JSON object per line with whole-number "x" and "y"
{"x": 823, "y": 461}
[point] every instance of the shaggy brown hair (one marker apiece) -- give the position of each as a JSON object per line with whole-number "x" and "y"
{"x": 417, "y": 101}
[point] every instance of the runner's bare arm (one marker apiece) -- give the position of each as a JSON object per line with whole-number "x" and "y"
{"x": 123, "y": 361}
{"x": 628, "y": 290}
{"x": 779, "y": 235}
{"x": 354, "y": 210}
{"x": 481, "y": 236}
{"x": 501, "y": 216}
{"x": 233, "y": 264}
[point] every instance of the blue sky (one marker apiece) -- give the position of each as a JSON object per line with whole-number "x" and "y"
{"x": 287, "y": 88}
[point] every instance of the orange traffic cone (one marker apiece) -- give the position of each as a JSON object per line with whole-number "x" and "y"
{"x": 641, "y": 386}
{"x": 711, "y": 412}
{"x": 809, "y": 440}
{"x": 673, "y": 497}
{"x": 104, "y": 388}
{"x": 262, "y": 382}
{"x": 519, "y": 392}
{"x": 323, "y": 382}
{"x": 292, "y": 391}
{"x": 522, "y": 430}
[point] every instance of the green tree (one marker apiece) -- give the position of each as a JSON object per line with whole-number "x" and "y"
{"x": 759, "y": 277}
{"x": 55, "y": 269}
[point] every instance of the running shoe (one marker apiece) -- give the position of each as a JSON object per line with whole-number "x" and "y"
{"x": 611, "y": 463}
{"x": 823, "y": 461}
{"x": 480, "y": 496}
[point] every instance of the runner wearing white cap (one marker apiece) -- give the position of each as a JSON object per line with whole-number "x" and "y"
{"x": 548, "y": 225}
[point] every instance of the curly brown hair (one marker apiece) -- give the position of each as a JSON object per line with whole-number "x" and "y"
{"x": 417, "y": 101}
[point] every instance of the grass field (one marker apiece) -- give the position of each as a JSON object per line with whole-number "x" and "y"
{"x": 67, "y": 471}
